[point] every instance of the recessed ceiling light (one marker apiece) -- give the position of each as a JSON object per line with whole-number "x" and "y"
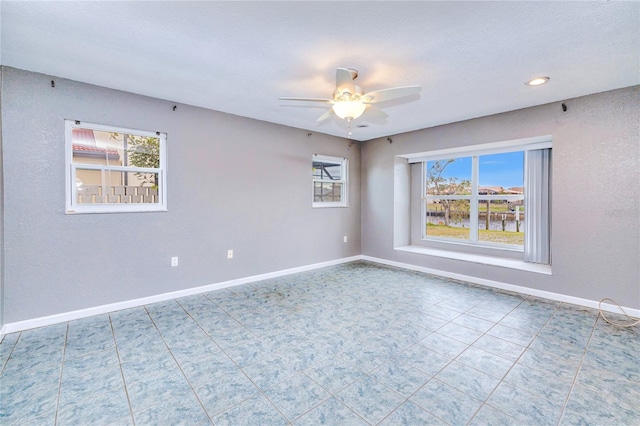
{"x": 537, "y": 81}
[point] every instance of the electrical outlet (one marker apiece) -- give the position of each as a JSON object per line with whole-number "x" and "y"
{"x": 345, "y": 238}
{"x": 229, "y": 254}
{"x": 174, "y": 261}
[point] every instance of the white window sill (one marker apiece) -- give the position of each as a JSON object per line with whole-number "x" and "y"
{"x": 327, "y": 206}
{"x": 476, "y": 258}
{"x": 120, "y": 208}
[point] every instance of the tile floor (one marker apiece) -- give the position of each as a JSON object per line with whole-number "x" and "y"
{"x": 353, "y": 344}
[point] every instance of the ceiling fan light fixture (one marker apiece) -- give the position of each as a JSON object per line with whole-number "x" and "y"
{"x": 537, "y": 81}
{"x": 349, "y": 109}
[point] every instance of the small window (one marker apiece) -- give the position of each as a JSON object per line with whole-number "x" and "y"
{"x": 329, "y": 176}
{"x": 112, "y": 169}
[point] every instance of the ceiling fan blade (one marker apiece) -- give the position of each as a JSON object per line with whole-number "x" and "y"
{"x": 327, "y": 115}
{"x": 374, "y": 115}
{"x": 390, "y": 94}
{"x": 344, "y": 81}
{"x": 286, "y": 98}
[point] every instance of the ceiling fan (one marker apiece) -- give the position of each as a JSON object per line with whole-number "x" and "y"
{"x": 350, "y": 102}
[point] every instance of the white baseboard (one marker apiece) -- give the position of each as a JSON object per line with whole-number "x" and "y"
{"x": 83, "y": 313}
{"x": 103, "y": 309}
{"x": 510, "y": 287}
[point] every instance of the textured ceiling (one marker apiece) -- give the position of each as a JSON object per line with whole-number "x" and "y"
{"x": 471, "y": 58}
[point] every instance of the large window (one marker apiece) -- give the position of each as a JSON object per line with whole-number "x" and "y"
{"x": 111, "y": 169}
{"x": 493, "y": 196}
{"x": 478, "y": 199}
{"x": 329, "y": 181}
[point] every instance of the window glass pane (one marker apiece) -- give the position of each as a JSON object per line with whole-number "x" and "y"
{"x": 95, "y": 147}
{"x": 327, "y": 170}
{"x": 141, "y": 151}
{"x": 449, "y": 177}
{"x": 114, "y": 149}
{"x": 448, "y": 218}
{"x": 327, "y": 192}
{"x": 110, "y": 187}
{"x": 501, "y": 221}
{"x": 501, "y": 174}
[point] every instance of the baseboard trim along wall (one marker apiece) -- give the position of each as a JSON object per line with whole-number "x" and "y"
{"x": 83, "y": 313}
{"x": 103, "y": 309}
{"x": 509, "y": 287}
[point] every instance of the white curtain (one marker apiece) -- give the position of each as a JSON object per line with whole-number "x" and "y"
{"x": 537, "y": 205}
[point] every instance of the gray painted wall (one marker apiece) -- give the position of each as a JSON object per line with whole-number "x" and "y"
{"x": 254, "y": 197}
{"x": 596, "y": 193}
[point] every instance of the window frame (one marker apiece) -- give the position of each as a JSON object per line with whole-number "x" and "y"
{"x": 488, "y": 248}
{"x": 475, "y": 198}
{"x": 71, "y": 204}
{"x": 344, "y": 180}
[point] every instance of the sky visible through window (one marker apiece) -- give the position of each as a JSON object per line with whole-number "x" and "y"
{"x": 505, "y": 169}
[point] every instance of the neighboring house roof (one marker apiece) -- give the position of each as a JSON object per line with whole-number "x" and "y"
{"x": 83, "y": 137}
{"x": 85, "y": 146}
{"x": 482, "y": 190}
{"x": 95, "y": 152}
{"x": 494, "y": 190}
{"x": 490, "y": 190}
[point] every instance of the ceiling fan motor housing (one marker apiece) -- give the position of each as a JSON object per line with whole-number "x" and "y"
{"x": 342, "y": 94}
{"x": 345, "y": 95}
